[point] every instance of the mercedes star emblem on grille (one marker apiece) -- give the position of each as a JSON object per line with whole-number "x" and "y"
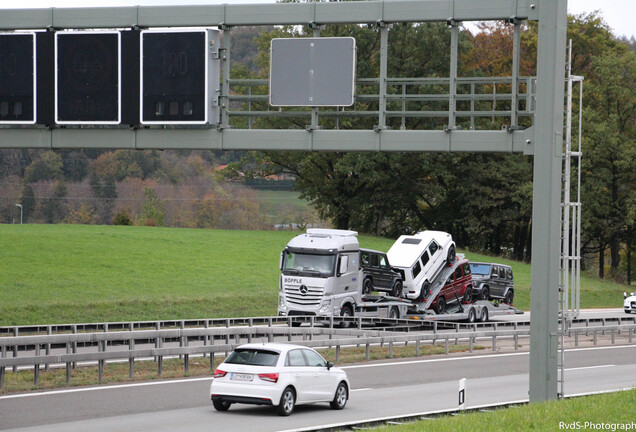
{"x": 303, "y": 289}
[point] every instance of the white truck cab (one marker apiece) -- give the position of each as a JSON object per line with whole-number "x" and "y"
{"x": 320, "y": 274}
{"x": 420, "y": 258}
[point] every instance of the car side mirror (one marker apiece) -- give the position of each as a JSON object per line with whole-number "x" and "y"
{"x": 329, "y": 365}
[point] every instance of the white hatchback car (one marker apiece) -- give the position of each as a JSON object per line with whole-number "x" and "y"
{"x": 280, "y": 375}
{"x": 420, "y": 258}
{"x": 630, "y": 302}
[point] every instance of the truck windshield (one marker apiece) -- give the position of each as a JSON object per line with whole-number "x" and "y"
{"x": 480, "y": 269}
{"x": 308, "y": 264}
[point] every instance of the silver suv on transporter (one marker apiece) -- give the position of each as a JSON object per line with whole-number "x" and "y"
{"x": 493, "y": 281}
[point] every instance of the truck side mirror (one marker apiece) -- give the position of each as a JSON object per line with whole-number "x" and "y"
{"x": 280, "y": 262}
{"x": 624, "y": 295}
{"x": 344, "y": 264}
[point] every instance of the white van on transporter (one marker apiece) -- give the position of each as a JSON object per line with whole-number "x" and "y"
{"x": 420, "y": 258}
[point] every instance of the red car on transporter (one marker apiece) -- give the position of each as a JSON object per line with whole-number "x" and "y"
{"x": 459, "y": 287}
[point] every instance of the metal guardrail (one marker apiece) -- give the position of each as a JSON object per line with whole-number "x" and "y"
{"x": 124, "y": 344}
{"x": 359, "y": 322}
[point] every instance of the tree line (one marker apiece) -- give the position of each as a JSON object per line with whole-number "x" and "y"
{"x": 129, "y": 187}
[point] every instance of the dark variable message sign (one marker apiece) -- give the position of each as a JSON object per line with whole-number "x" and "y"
{"x": 179, "y": 76}
{"x": 87, "y": 78}
{"x": 17, "y": 78}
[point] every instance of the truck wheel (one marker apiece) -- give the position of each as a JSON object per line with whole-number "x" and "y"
{"x": 472, "y": 315}
{"x": 346, "y": 312}
{"x": 367, "y": 286}
{"x": 441, "y": 306}
{"x": 510, "y": 296}
{"x": 484, "y": 315}
{"x": 394, "y": 313}
{"x": 396, "y": 291}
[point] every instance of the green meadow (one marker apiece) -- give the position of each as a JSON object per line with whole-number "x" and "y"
{"x": 610, "y": 412}
{"x": 52, "y": 274}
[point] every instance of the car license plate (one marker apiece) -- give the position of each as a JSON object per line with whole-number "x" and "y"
{"x": 241, "y": 377}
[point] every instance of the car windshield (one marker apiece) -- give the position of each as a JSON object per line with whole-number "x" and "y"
{"x": 253, "y": 357}
{"x": 304, "y": 264}
{"x": 480, "y": 269}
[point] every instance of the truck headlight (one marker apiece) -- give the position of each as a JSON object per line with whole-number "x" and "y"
{"x": 281, "y": 302}
{"x": 326, "y": 305}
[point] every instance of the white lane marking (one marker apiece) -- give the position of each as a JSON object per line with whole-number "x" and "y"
{"x": 109, "y": 387}
{"x": 589, "y": 367}
{"x": 398, "y": 363}
{"x": 432, "y": 360}
{"x": 599, "y": 348}
{"x": 361, "y": 389}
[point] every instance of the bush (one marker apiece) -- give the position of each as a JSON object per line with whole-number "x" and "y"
{"x": 122, "y": 218}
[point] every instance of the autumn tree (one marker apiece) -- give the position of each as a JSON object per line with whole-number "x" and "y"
{"x": 46, "y": 167}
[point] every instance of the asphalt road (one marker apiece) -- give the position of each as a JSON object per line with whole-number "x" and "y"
{"x": 379, "y": 389}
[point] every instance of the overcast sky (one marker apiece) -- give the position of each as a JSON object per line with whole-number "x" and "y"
{"x": 619, "y": 14}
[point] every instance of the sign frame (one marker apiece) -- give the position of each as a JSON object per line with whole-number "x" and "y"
{"x": 119, "y": 82}
{"x": 35, "y": 79}
{"x": 211, "y": 47}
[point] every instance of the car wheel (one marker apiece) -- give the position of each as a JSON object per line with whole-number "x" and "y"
{"x": 221, "y": 405}
{"x": 346, "y": 312}
{"x": 472, "y": 315}
{"x": 485, "y": 293}
{"x": 424, "y": 291}
{"x": 441, "y": 306}
{"x": 396, "y": 291}
{"x": 452, "y": 256}
{"x": 484, "y": 315}
{"x": 510, "y": 296}
{"x": 340, "y": 399}
{"x": 468, "y": 294}
{"x": 287, "y": 402}
{"x": 367, "y": 286}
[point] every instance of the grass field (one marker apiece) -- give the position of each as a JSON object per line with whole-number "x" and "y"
{"x": 284, "y": 207}
{"x": 80, "y": 273}
{"x": 601, "y": 412}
